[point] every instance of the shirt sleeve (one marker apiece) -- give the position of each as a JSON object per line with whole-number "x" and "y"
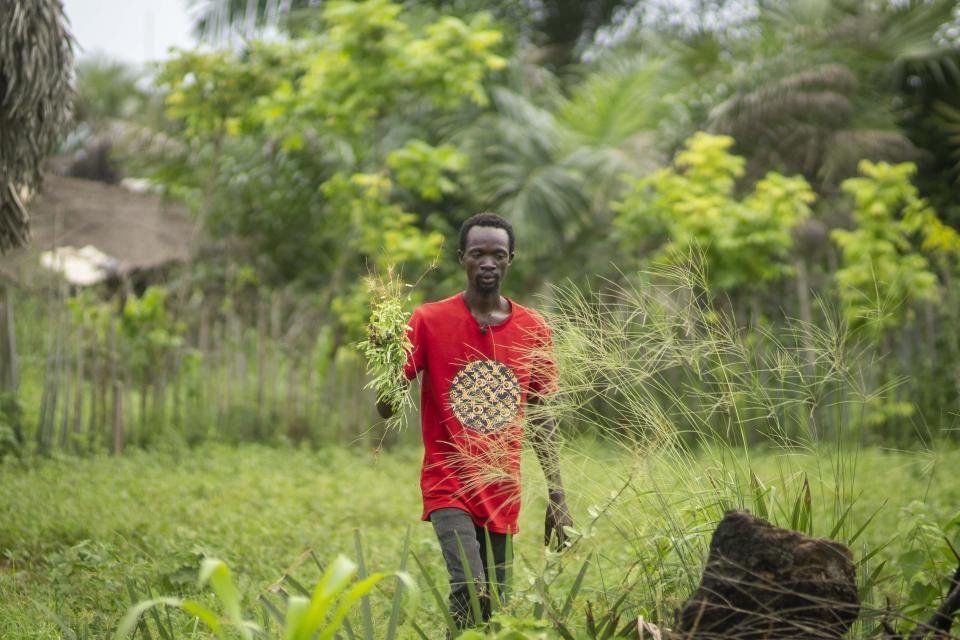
{"x": 543, "y": 366}
{"x": 416, "y": 358}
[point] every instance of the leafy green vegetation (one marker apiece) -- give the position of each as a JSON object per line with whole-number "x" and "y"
{"x": 78, "y": 531}
{"x": 739, "y": 221}
{"x": 387, "y": 345}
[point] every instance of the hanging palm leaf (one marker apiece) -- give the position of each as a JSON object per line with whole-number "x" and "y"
{"x": 36, "y": 60}
{"x": 217, "y": 20}
{"x": 949, "y": 120}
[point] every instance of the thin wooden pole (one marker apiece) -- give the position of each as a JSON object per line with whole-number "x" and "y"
{"x": 177, "y": 388}
{"x": 275, "y": 345}
{"x": 65, "y": 374}
{"x": 261, "y": 358}
{"x": 160, "y": 394}
{"x": 241, "y": 359}
{"x": 308, "y": 392}
{"x": 203, "y": 384}
{"x": 117, "y": 392}
{"x": 78, "y": 394}
{"x": 11, "y": 369}
{"x": 214, "y": 374}
{"x": 95, "y": 383}
{"x": 48, "y": 396}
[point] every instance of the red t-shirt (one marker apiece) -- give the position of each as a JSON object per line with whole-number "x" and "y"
{"x": 475, "y": 384}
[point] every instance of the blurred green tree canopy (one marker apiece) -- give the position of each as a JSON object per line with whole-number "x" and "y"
{"x": 807, "y": 150}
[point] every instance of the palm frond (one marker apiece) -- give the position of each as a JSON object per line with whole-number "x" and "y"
{"x": 36, "y": 64}
{"x": 804, "y": 16}
{"x": 908, "y": 38}
{"x": 818, "y": 95}
{"x": 948, "y": 118}
{"x": 845, "y": 149}
{"x": 619, "y": 101}
{"x": 217, "y": 20}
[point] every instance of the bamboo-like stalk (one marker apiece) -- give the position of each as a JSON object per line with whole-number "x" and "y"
{"x": 160, "y": 394}
{"x": 240, "y": 349}
{"x": 308, "y": 393}
{"x": 217, "y": 374}
{"x": 117, "y": 425}
{"x": 78, "y": 394}
{"x": 203, "y": 344}
{"x": 46, "y": 395}
{"x": 227, "y": 369}
{"x": 65, "y": 372}
{"x": 261, "y": 356}
{"x": 177, "y": 390}
{"x": 275, "y": 353}
{"x": 10, "y": 369}
{"x": 292, "y": 396}
{"x": 93, "y": 385}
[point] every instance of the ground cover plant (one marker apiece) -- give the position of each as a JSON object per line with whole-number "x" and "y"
{"x": 77, "y": 531}
{"x": 675, "y": 415}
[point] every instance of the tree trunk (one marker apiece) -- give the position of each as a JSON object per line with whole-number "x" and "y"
{"x": 763, "y": 582}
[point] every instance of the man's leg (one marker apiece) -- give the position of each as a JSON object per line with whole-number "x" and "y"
{"x": 450, "y": 525}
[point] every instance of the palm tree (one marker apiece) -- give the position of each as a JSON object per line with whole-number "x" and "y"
{"x": 217, "y": 20}
{"x": 552, "y": 161}
{"x": 818, "y": 87}
{"x": 36, "y": 65}
{"x": 560, "y": 29}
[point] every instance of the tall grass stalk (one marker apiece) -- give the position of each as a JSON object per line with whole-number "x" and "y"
{"x": 661, "y": 371}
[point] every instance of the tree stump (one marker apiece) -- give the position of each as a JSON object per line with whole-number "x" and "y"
{"x": 764, "y": 582}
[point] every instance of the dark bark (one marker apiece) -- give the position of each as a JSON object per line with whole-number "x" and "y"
{"x": 764, "y": 582}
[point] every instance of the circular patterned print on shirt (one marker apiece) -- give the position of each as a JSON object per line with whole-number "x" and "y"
{"x": 485, "y": 396}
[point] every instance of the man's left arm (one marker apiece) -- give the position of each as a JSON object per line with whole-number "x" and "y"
{"x": 544, "y": 438}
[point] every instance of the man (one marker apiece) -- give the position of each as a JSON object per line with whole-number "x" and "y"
{"x": 483, "y": 358}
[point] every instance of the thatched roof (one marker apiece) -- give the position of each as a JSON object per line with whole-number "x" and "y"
{"x": 141, "y": 231}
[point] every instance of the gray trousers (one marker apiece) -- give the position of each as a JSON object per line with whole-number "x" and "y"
{"x": 452, "y": 524}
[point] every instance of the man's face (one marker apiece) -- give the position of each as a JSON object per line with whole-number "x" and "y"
{"x": 486, "y": 257}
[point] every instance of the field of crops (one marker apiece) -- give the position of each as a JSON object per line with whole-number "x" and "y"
{"x": 81, "y": 538}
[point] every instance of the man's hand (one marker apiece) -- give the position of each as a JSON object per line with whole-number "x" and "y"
{"x": 557, "y": 517}
{"x": 384, "y": 409}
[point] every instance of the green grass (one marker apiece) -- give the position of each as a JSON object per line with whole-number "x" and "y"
{"x": 73, "y": 532}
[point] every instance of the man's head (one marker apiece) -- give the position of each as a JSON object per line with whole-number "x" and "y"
{"x": 486, "y": 250}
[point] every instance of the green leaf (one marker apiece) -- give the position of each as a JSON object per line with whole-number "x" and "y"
{"x": 356, "y": 593}
{"x": 438, "y": 598}
{"x": 297, "y": 607}
{"x": 365, "y": 601}
{"x": 398, "y": 593}
{"x": 575, "y": 589}
{"x": 217, "y": 573}
{"x": 132, "y": 617}
{"x": 475, "y": 606}
{"x": 334, "y": 580}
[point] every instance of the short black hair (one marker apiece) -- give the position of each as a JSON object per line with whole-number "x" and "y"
{"x": 486, "y": 219}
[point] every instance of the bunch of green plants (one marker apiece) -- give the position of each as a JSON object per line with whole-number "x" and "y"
{"x": 334, "y": 134}
{"x": 387, "y": 345}
{"x": 745, "y": 241}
